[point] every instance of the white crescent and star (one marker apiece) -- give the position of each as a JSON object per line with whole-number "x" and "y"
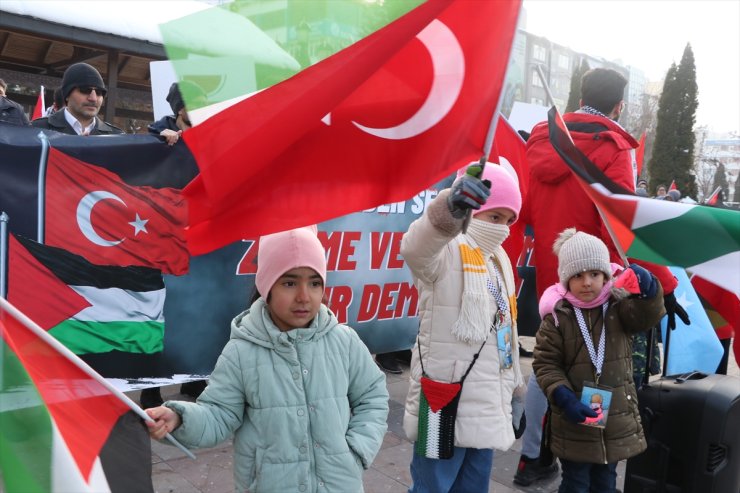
{"x": 84, "y": 210}
{"x": 448, "y": 66}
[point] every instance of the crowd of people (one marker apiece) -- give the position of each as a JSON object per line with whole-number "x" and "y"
{"x": 306, "y": 403}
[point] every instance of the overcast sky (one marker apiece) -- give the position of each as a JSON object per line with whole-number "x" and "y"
{"x": 650, "y": 35}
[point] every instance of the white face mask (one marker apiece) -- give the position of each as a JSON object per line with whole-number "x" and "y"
{"x": 487, "y": 236}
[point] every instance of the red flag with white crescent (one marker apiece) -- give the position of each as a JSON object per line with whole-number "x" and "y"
{"x": 373, "y": 124}
{"x": 90, "y": 211}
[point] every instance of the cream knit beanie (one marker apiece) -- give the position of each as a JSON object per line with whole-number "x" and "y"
{"x": 580, "y": 252}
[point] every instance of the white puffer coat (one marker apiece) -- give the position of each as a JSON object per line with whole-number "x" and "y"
{"x": 484, "y": 411}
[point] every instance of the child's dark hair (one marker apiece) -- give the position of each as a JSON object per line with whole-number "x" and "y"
{"x": 256, "y": 296}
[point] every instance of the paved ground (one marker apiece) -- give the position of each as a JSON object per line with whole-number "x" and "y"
{"x": 212, "y": 472}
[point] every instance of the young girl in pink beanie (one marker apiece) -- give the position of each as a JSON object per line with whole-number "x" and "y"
{"x": 300, "y": 392}
{"x": 464, "y": 375}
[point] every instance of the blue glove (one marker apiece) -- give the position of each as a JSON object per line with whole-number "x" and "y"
{"x": 672, "y": 308}
{"x": 648, "y": 283}
{"x": 468, "y": 192}
{"x": 575, "y": 410}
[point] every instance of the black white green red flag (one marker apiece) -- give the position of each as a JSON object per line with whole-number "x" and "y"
{"x": 703, "y": 240}
{"x": 61, "y": 428}
{"x": 108, "y": 308}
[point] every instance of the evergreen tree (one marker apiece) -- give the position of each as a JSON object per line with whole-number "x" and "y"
{"x": 720, "y": 180}
{"x": 574, "y": 98}
{"x": 673, "y": 151}
{"x": 664, "y": 133}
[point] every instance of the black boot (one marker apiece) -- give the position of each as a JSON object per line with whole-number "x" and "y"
{"x": 150, "y": 397}
{"x": 388, "y": 363}
{"x": 524, "y": 353}
{"x": 193, "y": 389}
{"x": 530, "y": 470}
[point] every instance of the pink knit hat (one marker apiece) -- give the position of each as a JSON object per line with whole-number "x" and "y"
{"x": 504, "y": 188}
{"x": 280, "y": 252}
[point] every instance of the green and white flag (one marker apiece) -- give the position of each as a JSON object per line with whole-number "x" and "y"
{"x": 244, "y": 46}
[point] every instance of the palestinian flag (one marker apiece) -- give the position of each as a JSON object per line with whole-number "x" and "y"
{"x": 61, "y": 428}
{"x": 119, "y": 310}
{"x": 437, "y": 413}
{"x": 703, "y": 240}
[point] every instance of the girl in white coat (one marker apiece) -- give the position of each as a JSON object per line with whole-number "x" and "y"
{"x": 467, "y": 311}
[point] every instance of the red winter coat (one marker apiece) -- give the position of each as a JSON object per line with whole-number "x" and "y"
{"x": 555, "y": 200}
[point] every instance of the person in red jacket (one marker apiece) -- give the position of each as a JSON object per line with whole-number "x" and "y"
{"x": 555, "y": 201}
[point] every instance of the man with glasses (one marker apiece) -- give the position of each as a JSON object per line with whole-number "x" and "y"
{"x": 83, "y": 90}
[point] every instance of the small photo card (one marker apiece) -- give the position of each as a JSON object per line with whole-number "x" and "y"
{"x": 598, "y": 398}
{"x": 503, "y": 339}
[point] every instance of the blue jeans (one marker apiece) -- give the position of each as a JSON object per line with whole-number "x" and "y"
{"x": 468, "y": 471}
{"x": 535, "y": 407}
{"x": 582, "y": 477}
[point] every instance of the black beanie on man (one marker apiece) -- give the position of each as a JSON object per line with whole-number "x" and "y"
{"x": 80, "y": 75}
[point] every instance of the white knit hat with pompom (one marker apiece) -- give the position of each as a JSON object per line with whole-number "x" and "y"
{"x": 580, "y": 252}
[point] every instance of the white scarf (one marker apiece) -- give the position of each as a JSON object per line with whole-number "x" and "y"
{"x": 482, "y": 239}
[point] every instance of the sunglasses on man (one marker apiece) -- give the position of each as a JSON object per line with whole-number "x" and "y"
{"x": 87, "y": 90}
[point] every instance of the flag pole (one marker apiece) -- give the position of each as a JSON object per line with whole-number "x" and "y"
{"x": 73, "y": 358}
{"x": 3, "y": 254}
{"x": 40, "y": 199}
{"x": 488, "y": 144}
{"x": 601, "y": 213}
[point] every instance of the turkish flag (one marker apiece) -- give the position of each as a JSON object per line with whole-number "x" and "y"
{"x": 39, "y": 110}
{"x": 510, "y": 146}
{"x": 90, "y": 211}
{"x": 375, "y": 123}
{"x": 714, "y": 198}
{"x": 640, "y": 156}
{"x": 723, "y": 301}
{"x": 36, "y": 291}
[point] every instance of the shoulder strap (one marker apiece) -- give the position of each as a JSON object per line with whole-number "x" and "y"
{"x": 470, "y": 367}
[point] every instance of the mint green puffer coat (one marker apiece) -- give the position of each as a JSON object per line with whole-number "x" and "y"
{"x": 307, "y": 407}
